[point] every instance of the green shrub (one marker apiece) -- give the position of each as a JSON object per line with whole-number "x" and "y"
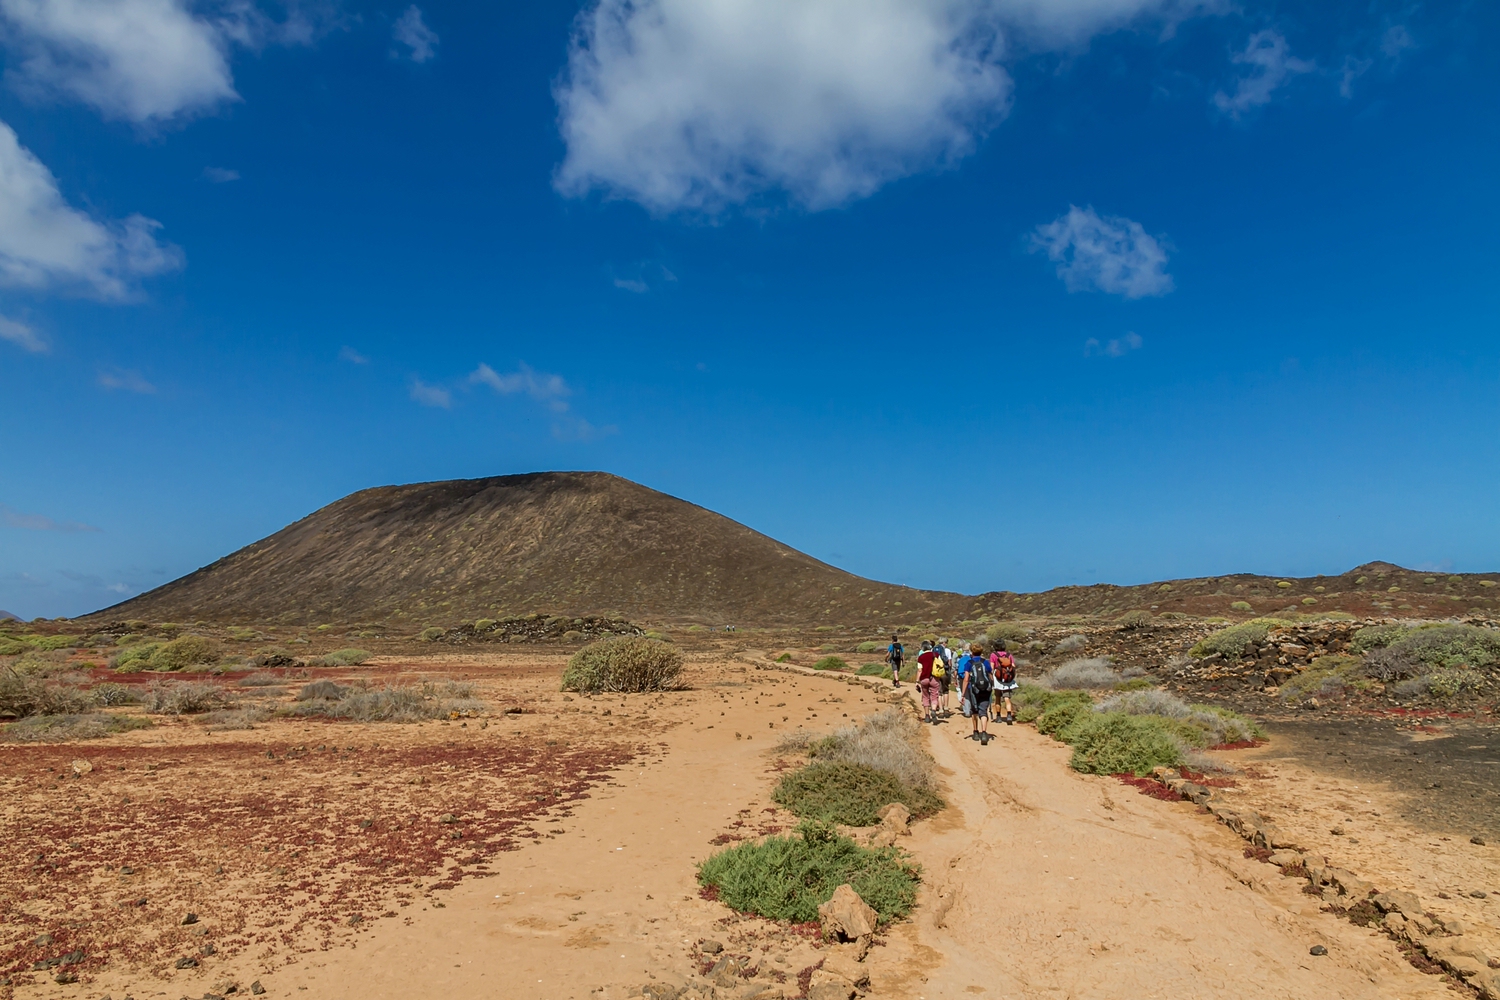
{"x": 187, "y": 651}
{"x": 1007, "y": 632}
{"x": 1031, "y": 700}
{"x": 49, "y": 642}
{"x": 1328, "y": 675}
{"x": 784, "y": 658}
{"x": 1452, "y": 683}
{"x": 869, "y": 647}
{"x": 12, "y": 647}
{"x": 788, "y": 878}
{"x": 849, "y": 793}
{"x": 873, "y": 670}
{"x": 1059, "y": 717}
{"x": 1450, "y": 646}
{"x": 830, "y": 663}
{"x": 630, "y": 663}
{"x": 1377, "y": 637}
{"x": 134, "y": 659}
{"x": 1233, "y": 641}
{"x": 485, "y": 624}
{"x": 1134, "y": 619}
{"x": 342, "y": 658}
{"x": 1116, "y": 743}
{"x": 432, "y": 633}
{"x": 1241, "y": 606}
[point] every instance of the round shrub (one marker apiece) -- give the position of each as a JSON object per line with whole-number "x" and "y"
{"x": 629, "y": 663}
{"x": 868, "y": 647}
{"x": 432, "y": 632}
{"x": 342, "y": 658}
{"x": 1134, "y": 619}
{"x": 188, "y": 651}
{"x": 1241, "y": 606}
{"x": 852, "y": 794}
{"x": 1116, "y": 743}
{"x": 831, "y": 663}
{"x": 1007, "y": 632}
{"x": 788, "y": 878}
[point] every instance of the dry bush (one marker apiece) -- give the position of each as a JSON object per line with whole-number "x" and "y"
{"x": 1134, "y": 619}
{"x": 631, "y": 663}
{"x": 261, "y": 680}
{"x": 1073, "y": 642}
{"x": 186, "y": 697}
{"x": 236, "y": 718}
{"x": 65, "y": 728}
{"x": 398, "y": 703}
{"x": 341, "y": 658}
{"x": 321, "y": 689}
{"x": 1388, "y": 665}
{"x": 887, "y": 741}
{"x": 110, "y": 693}
{"x": 1090, "y": 672}
{"x": 23, "y": 695}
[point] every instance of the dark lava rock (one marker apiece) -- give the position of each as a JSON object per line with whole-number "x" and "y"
{"x": 1317, "y": 949}
{"x": 191, "y": 918}
{"x": 712, "y": 947}
{"x": 207, "y": 949}
{"x": 1476, "y": 839}
{"x": 187, "y": 962}
{"x": 257, "y": 988}
{"x": 41, "y": 939}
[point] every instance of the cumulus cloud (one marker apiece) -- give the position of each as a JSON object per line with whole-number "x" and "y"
{"x": 1269, "y": 65}
{"x": 45, "y": 242}
{"x": 23, "y": 336}
{"x": 550, "y": 390}
{"x": 699, "y": 105}
{"x": 133, "y": 59}
{"x": 1113, "y": 348}
{"x": 1105, "y": 253}
{"x": 126, "y": 379}
{"x": 410, "y": 30}
{"x": 37, "y": 522}
{"x": 431, "y": 395}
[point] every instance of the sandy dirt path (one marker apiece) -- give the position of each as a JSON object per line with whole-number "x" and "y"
{"x": 1048, "y": 883}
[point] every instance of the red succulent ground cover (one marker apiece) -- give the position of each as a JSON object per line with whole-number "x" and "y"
{"x": 1150, "y": 786}
{"x": 274, "y": 848}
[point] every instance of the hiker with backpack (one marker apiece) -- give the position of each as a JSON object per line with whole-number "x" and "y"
{"x": 894, "y": 654}
{"x": 928, "y": 662}
{"x": 1003, "y": 666}
{"x": 978, "y": 689}
{"x": 947, "y": 679}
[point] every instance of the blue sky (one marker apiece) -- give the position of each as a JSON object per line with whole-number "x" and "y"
{"x": 967, "y": 295}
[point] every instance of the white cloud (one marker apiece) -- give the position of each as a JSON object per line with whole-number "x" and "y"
{"x": 1107, "y": 253}
{"x": 37, "y": 522}
{"x": 22, "y": 336}
{"x": 45, "y": 242}
{"x": 220, "y": 175}
{"x": 1395, "y": 41}
{"x": 1113, "y": 348}
{"x": 139, "y": 60}
{"x": 1270, "y": 65}
{"x": 130, "y": 381}
{"x": 702, "y": 104}
{"x": 431, "y": 395}
{"x": 550, "y": 390}
{"x": 352, "y": 356}
{"x": 413, "y": 32}
{"x": 632, "y": 285}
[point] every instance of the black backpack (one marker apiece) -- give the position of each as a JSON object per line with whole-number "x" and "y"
{"x": 980, "y": 681}
{"x": 897, "y": 652}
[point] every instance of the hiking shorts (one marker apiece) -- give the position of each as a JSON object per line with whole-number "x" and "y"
{"x": 1005, "y": 690}
{"x": 929, "y": 686}
{"x": 972, "y": 707}
{"x": 943, "y": 684}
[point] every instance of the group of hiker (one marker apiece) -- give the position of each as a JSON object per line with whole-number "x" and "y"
{"x": 983, "y": 679}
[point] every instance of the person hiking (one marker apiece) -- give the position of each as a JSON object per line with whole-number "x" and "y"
{"x": 1003, "y": 666}
{"x": 928, "y": 661}
{"x": 947, "y": 679}
{"x": 894, "y": 654}
{"x": 978, "y": 688}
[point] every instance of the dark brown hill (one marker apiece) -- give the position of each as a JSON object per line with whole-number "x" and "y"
{"x": 559, "y": 542}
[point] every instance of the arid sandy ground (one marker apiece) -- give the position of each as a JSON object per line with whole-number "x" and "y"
{"x": 551, "y": 854}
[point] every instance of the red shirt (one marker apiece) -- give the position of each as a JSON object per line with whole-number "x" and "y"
{"x": 924, "y": 672}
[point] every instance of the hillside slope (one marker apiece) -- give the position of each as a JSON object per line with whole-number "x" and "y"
{"x": 560, "y": 542}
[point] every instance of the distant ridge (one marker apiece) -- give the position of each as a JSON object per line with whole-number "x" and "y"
{"x": 591, "y": 543}
{"x": 6, "y": 616}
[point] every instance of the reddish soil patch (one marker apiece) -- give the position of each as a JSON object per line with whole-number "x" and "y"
{"x": 271, "y": 847}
